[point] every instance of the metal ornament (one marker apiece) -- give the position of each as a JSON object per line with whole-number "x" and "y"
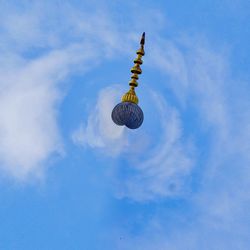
{"x": 128, "y": 112}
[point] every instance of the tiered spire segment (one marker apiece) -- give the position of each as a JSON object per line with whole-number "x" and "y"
{"x": 130, "y": 96}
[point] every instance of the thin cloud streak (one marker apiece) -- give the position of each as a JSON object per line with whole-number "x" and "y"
{"x": 100, "y": 131}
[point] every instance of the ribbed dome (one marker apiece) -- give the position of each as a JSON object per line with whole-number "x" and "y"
{"x": 128, "y": 114}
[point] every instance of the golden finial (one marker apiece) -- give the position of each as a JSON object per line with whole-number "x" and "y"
{"x": 130, "y": 96}
{"x": 128, "y": 113}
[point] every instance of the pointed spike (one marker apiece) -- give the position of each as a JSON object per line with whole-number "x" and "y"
{"x": 143, "y": 39}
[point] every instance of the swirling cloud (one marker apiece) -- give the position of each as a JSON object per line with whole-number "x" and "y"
{"x": 169, "y": 161}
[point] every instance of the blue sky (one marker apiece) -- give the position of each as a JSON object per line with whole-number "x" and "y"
{"x": 71, "y": 179}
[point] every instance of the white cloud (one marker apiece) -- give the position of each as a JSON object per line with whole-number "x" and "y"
{"x": 40, "y": 48}
{"x": 217, "y": 212}
{"x": 37, "y": 57}
{"x": 29, "y": 98}
{"x": 29, "y": 133}
{"x": 197, "y": 76}
{"x": 162, "y": 173}
{"x": 100, "y": 131}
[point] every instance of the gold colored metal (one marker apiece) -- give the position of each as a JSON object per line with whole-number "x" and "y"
{"x": 134, "y": 76}
{"x": 136, "y": 69}
{"x": 138, "y": 61}
{"x": 130, "y": 96}
{"x": 140, "y": 52}
{"x": 133, "y": 83}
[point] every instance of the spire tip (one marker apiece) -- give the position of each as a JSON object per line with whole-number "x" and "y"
{"x": 143, "y": 38}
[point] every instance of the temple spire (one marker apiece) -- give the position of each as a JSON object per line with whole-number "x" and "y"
{"x": 131, "y": 96}
{"x": 128, "y": 113}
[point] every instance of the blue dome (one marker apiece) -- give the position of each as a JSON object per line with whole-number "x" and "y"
{"x": 128, "y": 114}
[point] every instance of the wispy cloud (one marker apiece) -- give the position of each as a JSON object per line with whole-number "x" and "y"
{"x": 38, "y": 57}
{"x": 217, "y": 210}
{"x": 29, "y": 100}
{"x": 162, "y": 173}
{"x": 40, "y": 49}
{"x": 100, "y": 132}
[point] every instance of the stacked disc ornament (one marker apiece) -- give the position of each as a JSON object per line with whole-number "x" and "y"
{"x": 128, "y": 113}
